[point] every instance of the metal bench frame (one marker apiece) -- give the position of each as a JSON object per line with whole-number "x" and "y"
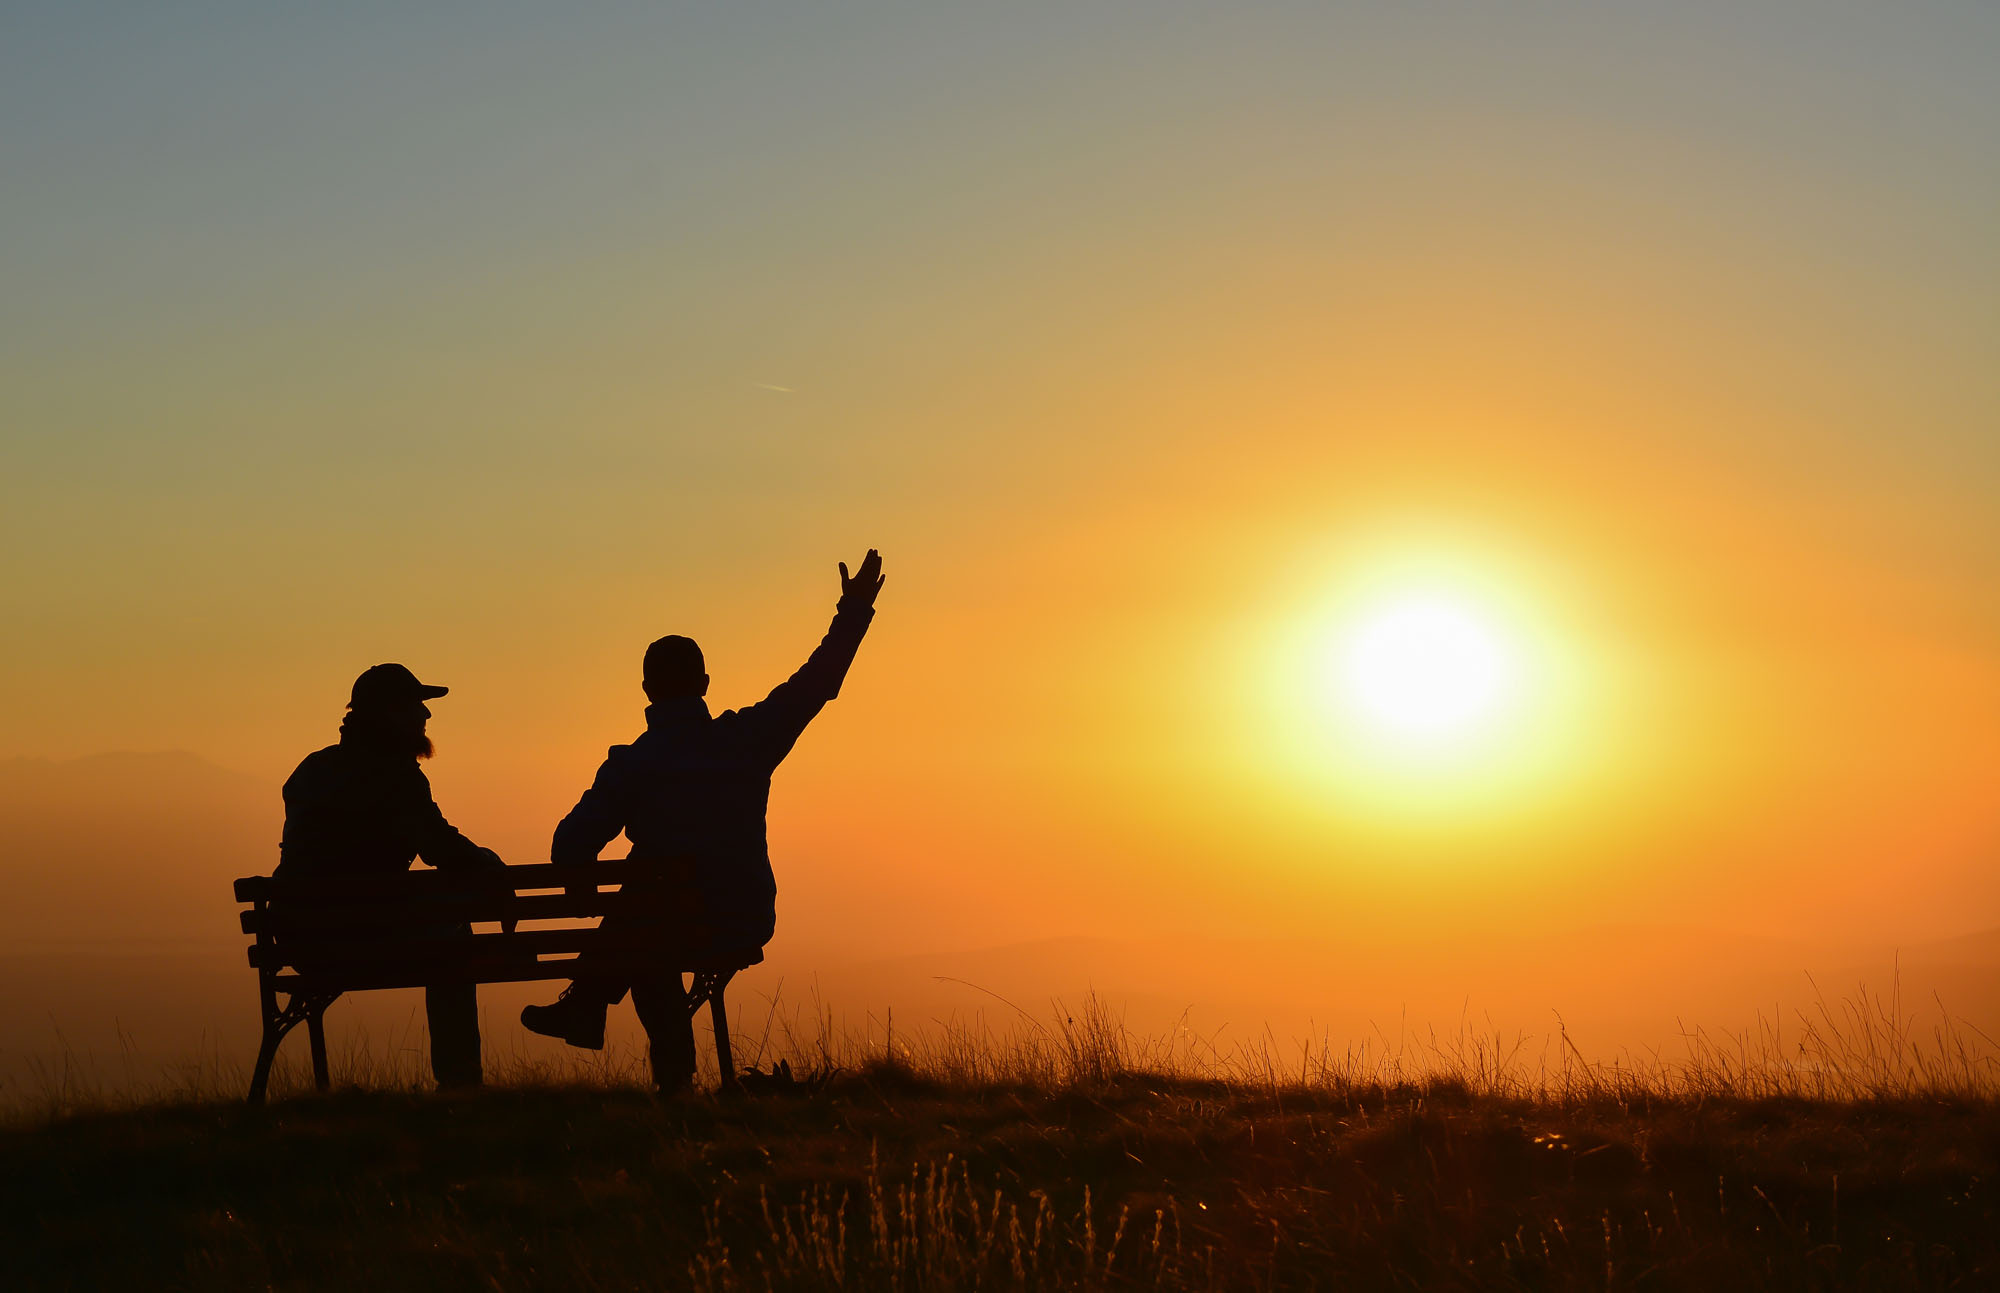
{"x": 386, "y": 932}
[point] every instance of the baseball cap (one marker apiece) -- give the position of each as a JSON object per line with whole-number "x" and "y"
{"x": 390, "y": 684}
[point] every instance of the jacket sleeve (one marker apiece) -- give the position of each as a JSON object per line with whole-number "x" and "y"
{"x": 779, "y": 718}
{"x": 597, "y": 817}
{"x": 439, "y": 843}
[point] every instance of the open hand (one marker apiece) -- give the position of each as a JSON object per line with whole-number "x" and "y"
{"x": 862, "y": 586}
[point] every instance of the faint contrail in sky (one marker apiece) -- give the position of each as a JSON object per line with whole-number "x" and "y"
{"x": 766, "y": 386}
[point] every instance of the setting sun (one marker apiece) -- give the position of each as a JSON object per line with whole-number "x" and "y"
{"x": 1427, "y": 669}
{"x": 1452, "y": 678}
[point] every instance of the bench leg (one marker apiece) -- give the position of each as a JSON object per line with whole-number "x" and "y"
{"x": 316, "y": 1029}
{"x": 267, "y": 1049}
{"x": 722, "y": 1057}
{"x": 302, "y": 1008}
{"x": 266, "y": 1052}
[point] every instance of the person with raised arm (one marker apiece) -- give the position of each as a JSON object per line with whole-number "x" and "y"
{"x": 690, "y": 794}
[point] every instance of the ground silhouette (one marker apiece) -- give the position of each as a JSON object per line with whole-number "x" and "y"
{"x": 891, "y": 1176}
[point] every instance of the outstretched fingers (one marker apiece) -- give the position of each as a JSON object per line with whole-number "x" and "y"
{"x": 865, "y": 582}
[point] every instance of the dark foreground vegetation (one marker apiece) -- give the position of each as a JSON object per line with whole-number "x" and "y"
{"x": 885, "y": 1179}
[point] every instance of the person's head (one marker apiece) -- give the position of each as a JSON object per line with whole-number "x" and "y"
{"x": 674, "y": 668}
{"x": 387, "y": 709}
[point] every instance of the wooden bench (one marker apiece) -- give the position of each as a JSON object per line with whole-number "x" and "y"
{"x": 400, "y": 931}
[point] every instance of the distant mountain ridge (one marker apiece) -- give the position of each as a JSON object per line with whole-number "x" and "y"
{"x": 127, "y": 848}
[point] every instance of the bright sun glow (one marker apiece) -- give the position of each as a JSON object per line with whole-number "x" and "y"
{"x": 1427, "y": 669}
{"x": 1444, "y": 690}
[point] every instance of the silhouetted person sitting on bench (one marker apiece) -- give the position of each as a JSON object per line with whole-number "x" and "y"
{"x": 364, "y": 808}
{"x": 690, "y": 794}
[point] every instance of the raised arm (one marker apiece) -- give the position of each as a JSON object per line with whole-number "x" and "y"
{"x": 794, "y": 702}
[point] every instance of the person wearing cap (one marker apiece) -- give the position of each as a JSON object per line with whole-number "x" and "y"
{"x": 363, "y": 807}
{"x": 690, "y": 795}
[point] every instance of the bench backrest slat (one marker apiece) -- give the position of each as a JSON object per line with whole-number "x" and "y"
{"x": 476, "y": 958}
{"x": 362, "y": 945}
{"x": 540, "y": 875}
{"x": 306, "y": 916}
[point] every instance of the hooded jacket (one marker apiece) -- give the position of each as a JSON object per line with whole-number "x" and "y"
{"x": 695, "y": 786}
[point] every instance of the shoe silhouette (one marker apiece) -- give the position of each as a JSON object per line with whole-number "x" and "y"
{"x": 576, "y": 1017}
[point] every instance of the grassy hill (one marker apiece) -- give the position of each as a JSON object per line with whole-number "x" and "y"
{"x": 887, "y": 1178}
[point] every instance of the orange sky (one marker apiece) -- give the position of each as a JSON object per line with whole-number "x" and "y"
{"x": 1137, "y": 353}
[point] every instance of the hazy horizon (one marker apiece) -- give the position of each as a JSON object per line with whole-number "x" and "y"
{"x": 131, "y": 987}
